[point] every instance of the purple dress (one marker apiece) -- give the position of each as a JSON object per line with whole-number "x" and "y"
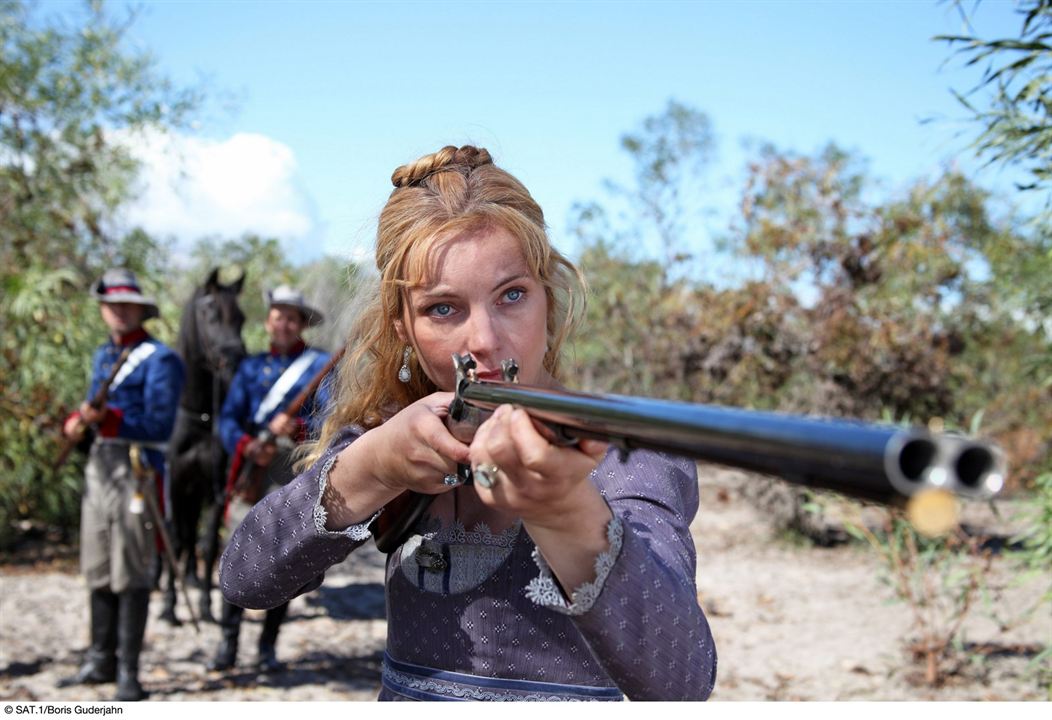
{"x": 477, "y": 615}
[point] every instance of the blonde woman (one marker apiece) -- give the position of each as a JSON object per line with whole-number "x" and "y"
{"x": 571, "y": 574}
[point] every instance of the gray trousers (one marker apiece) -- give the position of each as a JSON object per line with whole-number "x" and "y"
{"x": 117, "y": 545}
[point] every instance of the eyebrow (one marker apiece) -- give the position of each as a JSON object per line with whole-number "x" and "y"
{"x": 444, "y": 290}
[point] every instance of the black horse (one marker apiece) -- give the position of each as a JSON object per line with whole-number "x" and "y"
{"x": 211, "y": 348}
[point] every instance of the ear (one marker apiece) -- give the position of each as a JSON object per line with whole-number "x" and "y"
{"x": 238, "y": 284}
{"x": 213, "y": 280}
{"x": 400, "y": 330}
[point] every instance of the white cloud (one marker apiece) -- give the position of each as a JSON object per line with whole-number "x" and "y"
{"x": 192, "y": 187}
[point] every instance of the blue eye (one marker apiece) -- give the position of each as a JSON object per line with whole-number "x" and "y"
{"x": 441, "y": 310}
{"x": 514, "y": 295}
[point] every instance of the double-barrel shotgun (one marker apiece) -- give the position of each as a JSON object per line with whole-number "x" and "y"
{"x": 867, "y": 461}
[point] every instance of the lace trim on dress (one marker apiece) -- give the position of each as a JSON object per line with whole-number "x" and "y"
{"x": 457, "y": 534}
{"x": 544, "y": 591}
{"x": 359, "y": 532}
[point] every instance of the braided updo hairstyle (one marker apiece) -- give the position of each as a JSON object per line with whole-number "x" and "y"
{"x": 436, "y": 198}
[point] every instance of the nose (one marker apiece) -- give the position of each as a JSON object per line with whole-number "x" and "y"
{"x": 483, "y": 337}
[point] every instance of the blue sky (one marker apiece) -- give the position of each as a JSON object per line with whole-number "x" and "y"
{"x": 331, "y": 96}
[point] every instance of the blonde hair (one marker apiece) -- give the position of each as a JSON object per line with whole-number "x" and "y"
{"x": 439, "y": 196}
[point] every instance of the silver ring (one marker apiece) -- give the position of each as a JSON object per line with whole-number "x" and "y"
{"x": 451, "y": 480}
{"x": 486, "y": 475}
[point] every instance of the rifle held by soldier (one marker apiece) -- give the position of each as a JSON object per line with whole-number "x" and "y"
{"x": 249, "y": 475}
{"x": 98, "y": 402}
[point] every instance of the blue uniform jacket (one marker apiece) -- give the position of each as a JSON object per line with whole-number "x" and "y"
{"x": 253, "y": 380}
{"x": 142, "y": 406}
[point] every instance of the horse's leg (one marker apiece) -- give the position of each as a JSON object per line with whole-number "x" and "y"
{"x": 213, "y": 525}
{"x": 177, "y": 484}
{"x": 189, "y": 522}
{"x": 211, "y": 554}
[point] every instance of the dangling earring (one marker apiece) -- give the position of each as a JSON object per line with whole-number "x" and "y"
{"x": 403, "y": 372}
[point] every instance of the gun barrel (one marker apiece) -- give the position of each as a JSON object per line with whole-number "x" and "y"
{"x": 870, "y": 461}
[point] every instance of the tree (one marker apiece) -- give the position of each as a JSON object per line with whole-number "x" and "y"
{"x": 899, "y": 307}
{"x": 336, "y": 287}
{"x": 68, "y": 94}
{"x": 1012, "y": 102}
{"x": 629, "y": 343}
{"x": 910, "y": 315}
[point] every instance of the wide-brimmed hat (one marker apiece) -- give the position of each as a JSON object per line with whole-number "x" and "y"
{"x": 119, "y": 285}
{"x": 286, "y": 296}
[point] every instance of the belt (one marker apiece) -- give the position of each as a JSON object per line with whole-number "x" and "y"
{"x": 159, "y": 446}
{"x": 423, "y": 683}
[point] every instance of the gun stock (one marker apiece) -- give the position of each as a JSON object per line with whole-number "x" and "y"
{"x": 867, "y": 461}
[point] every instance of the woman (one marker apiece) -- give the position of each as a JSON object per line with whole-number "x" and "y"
{"x": 571, "y": 575}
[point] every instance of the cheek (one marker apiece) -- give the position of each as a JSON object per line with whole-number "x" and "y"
{"x": 435, "y": 349}
{"x": 530, "y": 342}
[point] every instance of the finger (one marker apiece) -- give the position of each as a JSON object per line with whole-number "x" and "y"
{"x": 493, "y": 443}
{"x": 447, "y": 447}
{"x": 595, "y": 449}
{"x": 533, "y": 450}
{"x": 545, "y": 430}
{"x": 438, "y": 403}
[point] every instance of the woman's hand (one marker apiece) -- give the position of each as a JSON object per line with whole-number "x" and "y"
{"x": 548, "y": 486}
{"x": 414, "y": 450}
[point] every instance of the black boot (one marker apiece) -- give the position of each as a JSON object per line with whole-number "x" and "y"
{"x": 268, "y": 639}
{"x": 156, "y": 572}
{"x": 131, "y": 628}
{"x": 230, "y": 624}
{"x": 204, "y": 605}
{"x": 100, "y": 664}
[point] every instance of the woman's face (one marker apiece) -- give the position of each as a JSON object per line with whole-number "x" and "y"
{"x": 481, "y": 299}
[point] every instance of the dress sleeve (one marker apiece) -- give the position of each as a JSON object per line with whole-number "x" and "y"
{"x": 641, "y": 615}
{"x": 282, "y": 548}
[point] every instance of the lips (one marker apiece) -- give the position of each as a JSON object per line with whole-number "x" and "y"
{"x": 489, "y": 375}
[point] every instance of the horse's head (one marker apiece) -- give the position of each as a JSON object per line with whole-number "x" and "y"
{"x": 216, "y": 321}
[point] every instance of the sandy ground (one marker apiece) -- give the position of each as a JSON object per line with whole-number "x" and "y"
{"x": 791, "y": 621}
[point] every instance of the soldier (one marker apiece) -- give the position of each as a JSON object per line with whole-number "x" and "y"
{"x": 260, "y": 437}
{"x": 117, "y": 529}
